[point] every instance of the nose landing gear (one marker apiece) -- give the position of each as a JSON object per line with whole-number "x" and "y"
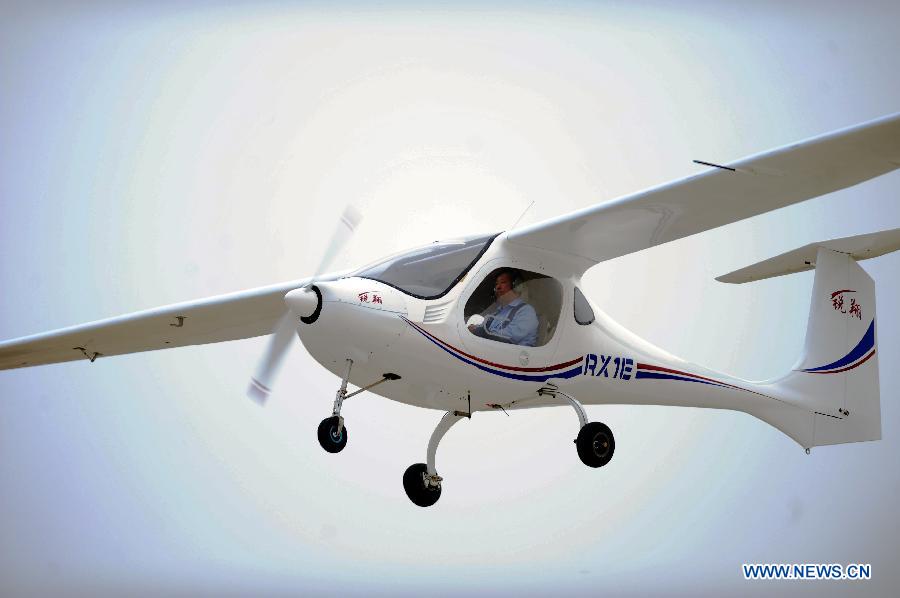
{"x": 332, "y": 432}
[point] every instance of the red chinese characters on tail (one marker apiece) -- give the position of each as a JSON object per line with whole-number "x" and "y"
{"x": 854, "y": 309}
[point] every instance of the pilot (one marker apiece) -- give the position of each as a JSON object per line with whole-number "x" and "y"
{"x": 510, "y": 319}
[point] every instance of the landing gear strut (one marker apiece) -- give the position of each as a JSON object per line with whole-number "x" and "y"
{"x": 332, "y": 431}
{"x": 421, "y": 481}
{"x": 595, "y": 442}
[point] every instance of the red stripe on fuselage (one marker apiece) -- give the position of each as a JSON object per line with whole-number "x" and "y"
{"x": 659, "y": 368}
{"x": 491, "y": 363}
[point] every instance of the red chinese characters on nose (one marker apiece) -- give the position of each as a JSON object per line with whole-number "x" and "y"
{"x": 837, "y": 302}
{"x": 364, "y": 297}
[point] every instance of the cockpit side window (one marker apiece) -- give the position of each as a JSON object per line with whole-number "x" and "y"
{"x": 515, "y": 307}
{"x": 430, "y": 271}
{"x": 584, "y": 314}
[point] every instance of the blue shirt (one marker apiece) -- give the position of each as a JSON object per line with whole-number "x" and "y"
{"x": 515, "y": 323}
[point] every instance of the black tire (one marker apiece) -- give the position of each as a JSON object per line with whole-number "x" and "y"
{"x": 330, "y": 440}
{"x": 595, "y": 444}
{"x": 414, "y": 484}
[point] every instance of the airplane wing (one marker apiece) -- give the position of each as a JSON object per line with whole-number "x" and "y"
{"x": 234, "y": 316}
{"x": 722, "y": 195}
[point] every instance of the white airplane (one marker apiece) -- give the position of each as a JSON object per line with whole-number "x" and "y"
{"x": 498, "y": 322}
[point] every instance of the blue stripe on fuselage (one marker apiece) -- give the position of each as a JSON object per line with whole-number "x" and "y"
{"x": 664, "y": 376}
{"x": 525, "y": 378}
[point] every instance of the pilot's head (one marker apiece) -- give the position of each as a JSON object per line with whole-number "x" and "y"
{"x": 503, "y": 285}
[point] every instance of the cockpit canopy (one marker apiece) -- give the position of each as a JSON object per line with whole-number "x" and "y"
{"x": 430, "y": 271}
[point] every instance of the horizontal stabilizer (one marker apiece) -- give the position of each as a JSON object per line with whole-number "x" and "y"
{"x": 860, "y": 247}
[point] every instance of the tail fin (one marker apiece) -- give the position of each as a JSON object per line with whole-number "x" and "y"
{"x": 831, "y": 396}
{"x": 837, "y": 376}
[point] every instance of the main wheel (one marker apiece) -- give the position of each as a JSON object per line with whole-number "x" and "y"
{"x": 595, "y": 444}
{"x": 329, "y": 437}
{"x": 416, "y": 490}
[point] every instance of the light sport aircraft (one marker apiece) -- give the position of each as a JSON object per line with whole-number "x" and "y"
{"x": 411, "y": 327}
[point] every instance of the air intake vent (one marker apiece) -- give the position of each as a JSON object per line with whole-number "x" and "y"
{"x": 437, "y": 312}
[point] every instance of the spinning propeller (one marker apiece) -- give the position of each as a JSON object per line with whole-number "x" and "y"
{"x": 303, "y": 302}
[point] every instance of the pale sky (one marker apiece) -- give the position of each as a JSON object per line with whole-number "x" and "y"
{"x": 150, "y": 155}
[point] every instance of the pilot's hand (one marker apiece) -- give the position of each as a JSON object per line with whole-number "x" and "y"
{"x": 472, "y": 327}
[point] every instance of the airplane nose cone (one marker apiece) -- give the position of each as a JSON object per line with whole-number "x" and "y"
{"x": 305, "y": 302}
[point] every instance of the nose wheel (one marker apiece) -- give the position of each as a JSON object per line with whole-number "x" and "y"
{"x": 333, "y": 434}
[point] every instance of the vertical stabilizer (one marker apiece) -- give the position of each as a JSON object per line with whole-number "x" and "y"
{"x": 836, "y": 378}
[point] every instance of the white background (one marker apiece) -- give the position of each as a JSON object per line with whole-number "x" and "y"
{"x": 153, "y": 155}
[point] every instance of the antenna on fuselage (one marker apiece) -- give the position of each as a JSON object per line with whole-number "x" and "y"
{"x": 522, "y": 215}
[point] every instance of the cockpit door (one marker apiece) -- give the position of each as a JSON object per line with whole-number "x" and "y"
{"x": 496, "y": 326}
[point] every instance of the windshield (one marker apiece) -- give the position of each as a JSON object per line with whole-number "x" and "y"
{"x": 430, "y": 271}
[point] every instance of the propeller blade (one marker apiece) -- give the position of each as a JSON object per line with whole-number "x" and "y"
{"x": 262, "y": 380}
{"x": 300, "y": 301}
{"x": 350, "y": 219}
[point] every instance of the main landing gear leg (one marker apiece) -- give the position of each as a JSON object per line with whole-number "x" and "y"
{"x": 595, "y": 441}
{"x": 421, "y": 481}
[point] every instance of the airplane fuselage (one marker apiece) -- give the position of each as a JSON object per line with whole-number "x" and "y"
{"x": 444, "y": 366}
